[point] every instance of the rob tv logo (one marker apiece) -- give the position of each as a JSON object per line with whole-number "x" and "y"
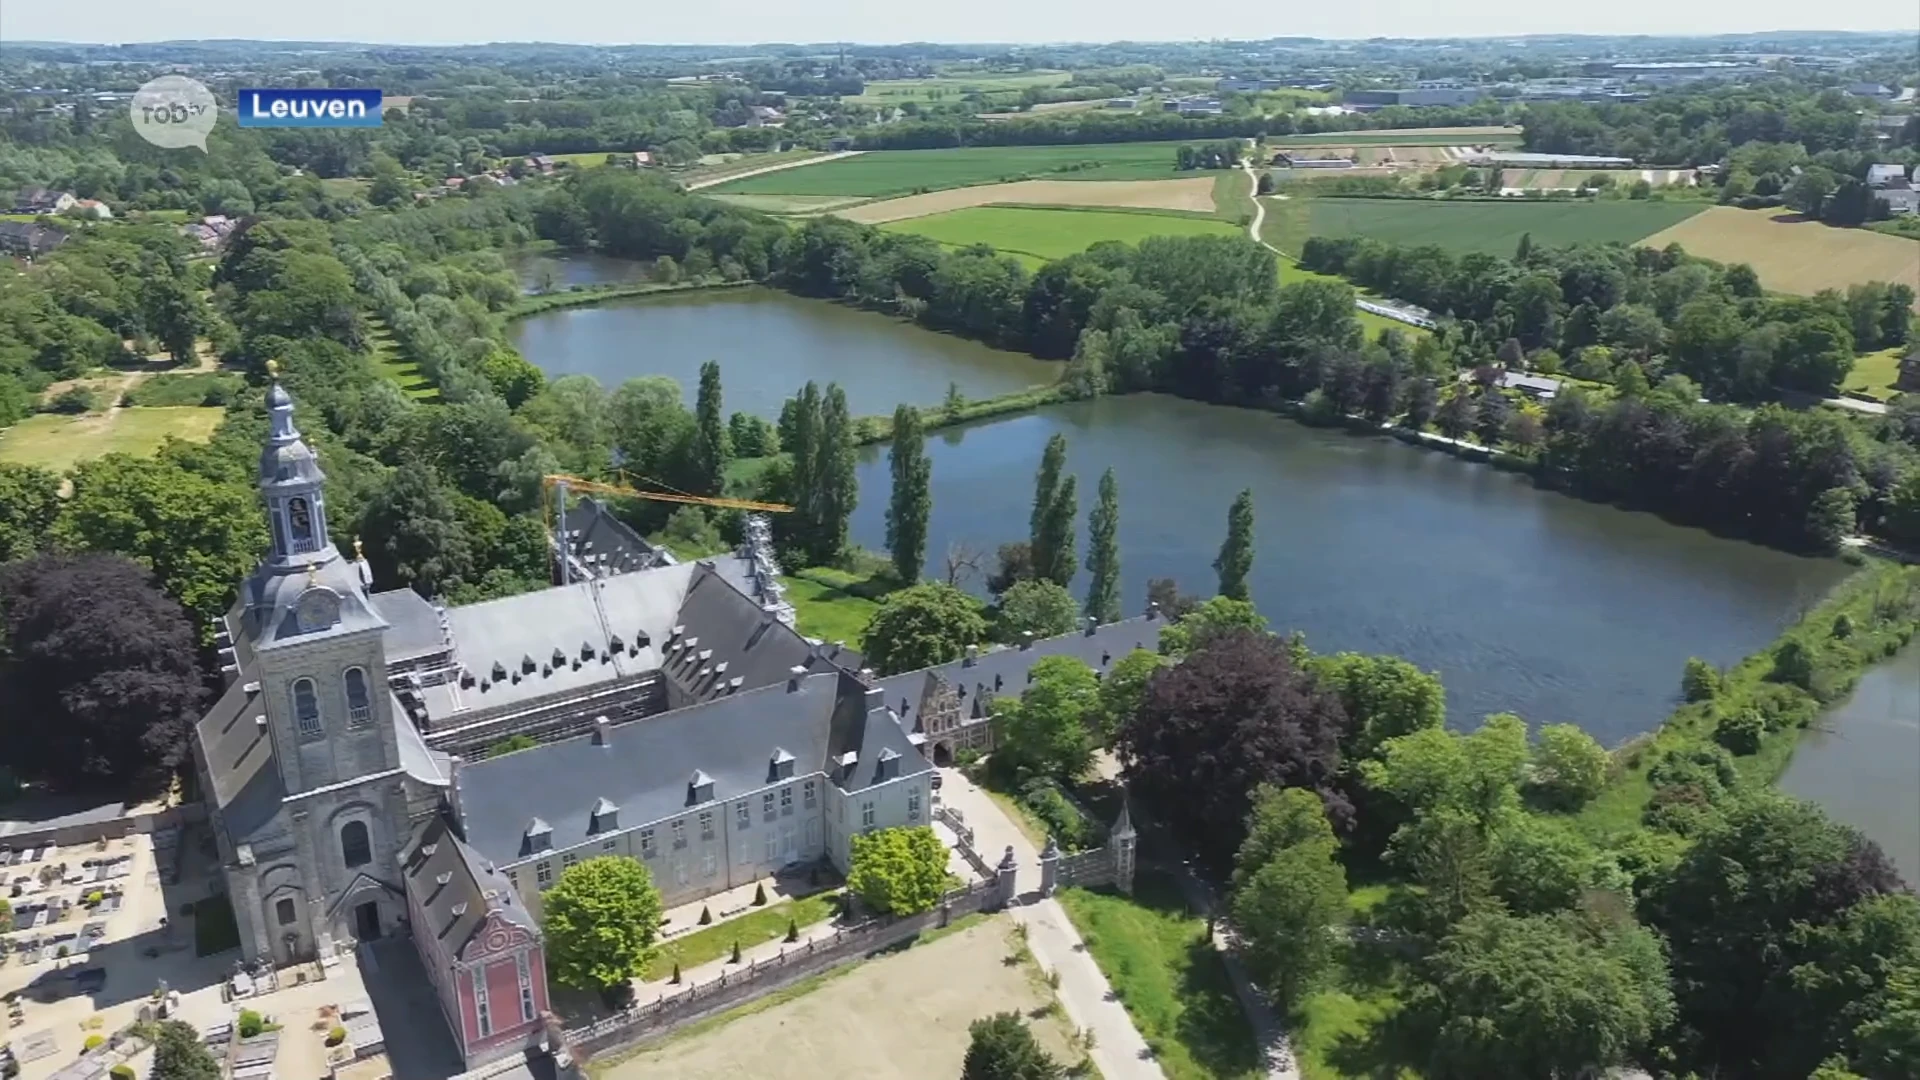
{"x": 321, "y": 108}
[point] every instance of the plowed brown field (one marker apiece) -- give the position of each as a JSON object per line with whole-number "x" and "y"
{"x": 1187, "y": 194}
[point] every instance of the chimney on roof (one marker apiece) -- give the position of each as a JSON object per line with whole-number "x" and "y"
{"x": 601, "y": 727}
{"x": 973, "y": 653}
{"x": 1153, "y": 609}
{"x": 794, "y": 675}
{"x": 1092, "y": 625}
{"x": 1026, "y": 639}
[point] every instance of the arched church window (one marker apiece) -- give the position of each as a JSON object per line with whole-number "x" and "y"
{"x": 284, "y": 911}
{"x": 306, "y": 709}
{"x": 300, "y": 521}
{"x": 355, "y": 848}
{"x": 359, "y": 704}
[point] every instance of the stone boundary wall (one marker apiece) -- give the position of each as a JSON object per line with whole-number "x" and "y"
{"x": 1086, "y": 869}
{"x": 643, "y": 1023}
{"x": 963, "y": 834}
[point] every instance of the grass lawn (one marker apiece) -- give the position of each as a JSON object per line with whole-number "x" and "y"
{"x": 1170, "y": 980}
{"x": 57, "y": 442}
{"x": 753, "y": 928}
{"x": 900, "y": 172}
{"x": 1491, "y": 227}
{"x": 345, "y": 185}
{"x": 834, "y": 605}
{"x": 404, "y": 373}
{"x": 1874, "y": 373}
{"x": 1052, "y": 233}
{"x": 214, "y": 930}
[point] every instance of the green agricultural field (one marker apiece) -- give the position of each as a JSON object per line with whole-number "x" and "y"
{"x": 954, "y": 87}
{"x": 1050, "y": 232}
{"x": 1875, "y": 373}
{"x": 1491, "y": 227}
{"x": 900, "y": 172}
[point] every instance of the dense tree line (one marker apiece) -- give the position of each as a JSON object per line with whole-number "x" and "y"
{"x": 1699, "y": 126}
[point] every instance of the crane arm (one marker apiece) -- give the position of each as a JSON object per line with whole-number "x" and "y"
{"x": 579, "y": 484}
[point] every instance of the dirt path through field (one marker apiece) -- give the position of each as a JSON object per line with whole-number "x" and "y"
{"x": 1189, "y": 194}
{"x": 777, "y": 167}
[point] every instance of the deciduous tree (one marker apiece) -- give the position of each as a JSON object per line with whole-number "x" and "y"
{"x": 1122, "y": 689}
{"x": 898, "y": 871}
{"x": 921, "y": 626}
{"x": 1207, "y": 621}
{"x": 1103, "y": 552}
{"x": 601, "y": 920}
{"x": 911, "y": 503}
{"x": 1290, "y": 892}
{"x": 1570, "y": 767}
{"x": 1038, "y": 607}
{"x": 1231, "y": 716}
{"x": 1046, "y": 731}
{"x": 98, "y": 683}
{"x": 1001, "y": 1047}
{"x": 712, "y": 448}
{"x": 29, "y": 503}
{"x": 1235, "y": 560}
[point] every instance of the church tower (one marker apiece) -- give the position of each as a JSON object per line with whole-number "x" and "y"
{"x": 321, "y": 684}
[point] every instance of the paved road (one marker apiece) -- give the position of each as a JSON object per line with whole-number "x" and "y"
{"x": 730, "y": 177}
{"x": 1871, "y": 408}
{"x": 1118, "y": 1050}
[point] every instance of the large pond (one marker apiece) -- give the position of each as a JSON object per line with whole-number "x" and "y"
{"x": 769, "y": 344}
{"x": 1523, "y": 600}
{"x": 550, "y": 273}
{"x": 1862, "y": 760}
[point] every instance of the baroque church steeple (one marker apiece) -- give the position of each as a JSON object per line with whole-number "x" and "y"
{"x": 293, "y": 488}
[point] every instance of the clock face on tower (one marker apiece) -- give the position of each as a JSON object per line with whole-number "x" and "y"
{"x": 317, "y": 609}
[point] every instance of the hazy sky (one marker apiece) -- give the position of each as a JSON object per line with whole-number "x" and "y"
{"x": 749, "y": 21}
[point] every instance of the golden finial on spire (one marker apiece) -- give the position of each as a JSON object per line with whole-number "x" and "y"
{"x": 359, "y": 549}
{"x": 273, "y": 369}
{"x": 313, "y": 573}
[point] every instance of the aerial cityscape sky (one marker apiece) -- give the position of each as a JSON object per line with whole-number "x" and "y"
{"x": 751, "y": 21}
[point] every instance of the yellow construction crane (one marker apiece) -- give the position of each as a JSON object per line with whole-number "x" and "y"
{"x": 560, "y": 484}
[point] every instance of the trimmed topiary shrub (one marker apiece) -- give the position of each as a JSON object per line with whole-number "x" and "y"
{"x": 336, "y": 1035}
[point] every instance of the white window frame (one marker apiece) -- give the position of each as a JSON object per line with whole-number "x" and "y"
{"x": 772, "y": 846}
{"x": 706, "y": 824}
{"x": 709, "y": 865}
{"x": 609, "y": 845}
{"x": 647, "y": 850}
{"x": 678, "y": 829}
{"x": 742, "y": 814}
{"x": 480, "y": 1009}
{"x": 866, "y": 814}
{"x": 786, "y": 801}
{"x": 526, "y": 987}
{"x": 543, "y": 873}
{"x": 766, "y": 806}
{"x": 913, "y": 806}
{"x": 807, "y": 795}
{"x": 568, "y": 859}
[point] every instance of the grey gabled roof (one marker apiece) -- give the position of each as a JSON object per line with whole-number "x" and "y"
{"x": 413, "y": 626}
{"x": 239, "y": 756}
{"x": 732, "y": 630}
{"x": 457, "y": 887}
{"x": 1009, "y": 666}
{"x": 607, "y": 544}
{"x": 644, "y": 766}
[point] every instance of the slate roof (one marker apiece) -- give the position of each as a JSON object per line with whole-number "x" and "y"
{"x": 413, "y": 625}
{"x": 239, "y": 756}
{"x": 643, "y": 767}
{"x": 1007, "y": 667}
{"x": 606, "y": 544}
{"x": 457, "y": 887}
{"x": 728, "y": 628}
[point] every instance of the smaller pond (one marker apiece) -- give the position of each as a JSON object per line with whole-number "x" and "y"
{"x": 769, "y": 344}
{"x": 551, "y": 273}
{"x": 1862, "y": 762}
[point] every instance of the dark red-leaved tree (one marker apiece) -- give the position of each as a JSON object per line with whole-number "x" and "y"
{"x": 1228, "y": 718}
{"x": 98, "y": 680}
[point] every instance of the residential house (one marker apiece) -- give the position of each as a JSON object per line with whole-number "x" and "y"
{"x": 1869, "y": 90}
{"x": 642, "y": 159}
{"x": 1537, "y": 387}
{"x": 540, "y": 163}
{"x": 1886, "y": 176}
{"x": 39, "y": 200}
{"x": 765, "y": 116}
{"x": 90, "y": 208}
{"x": 29, "y": 238}
{"x": 1899, "y": 200}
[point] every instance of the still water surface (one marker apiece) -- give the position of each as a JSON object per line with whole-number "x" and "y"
{"x": 1523, "y": 600}
{"x": 1862, "y": 760}
{"x": 769, "y": 344}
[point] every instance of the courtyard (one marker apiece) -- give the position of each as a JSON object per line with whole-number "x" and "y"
{"x": 898, "y": 1017}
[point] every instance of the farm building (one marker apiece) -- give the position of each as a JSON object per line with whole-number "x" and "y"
{"x": 1547, "y": 161}
{"x": 1285, "y": 160}
{"x": 1900, "y": 200}
{"x": 39, "y": 200}
{"x": 1538, "y": 387}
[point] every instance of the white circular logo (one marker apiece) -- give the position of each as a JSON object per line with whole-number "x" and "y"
{"x": 175, "y": 112}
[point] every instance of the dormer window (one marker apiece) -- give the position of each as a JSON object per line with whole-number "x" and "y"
{"x": 605, "y": 817}
{"x": 888, "y": 766}
{"x": 699, "y": 788}
{"x": 443, "y": 877}
{"x": 538, "y": 836}
{"x": 780, "y": 767}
